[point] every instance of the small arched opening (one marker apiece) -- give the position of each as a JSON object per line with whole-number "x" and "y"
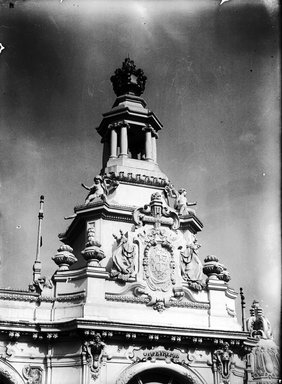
{"x": 159, "y": 376}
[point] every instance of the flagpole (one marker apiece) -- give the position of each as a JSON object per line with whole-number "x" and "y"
{"x": 243, "y": 306}
{"x": 37, "y": 262}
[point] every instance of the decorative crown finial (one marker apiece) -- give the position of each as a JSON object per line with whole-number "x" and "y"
{"x": 128, "y": 79}
{"x": 257, "y": 324}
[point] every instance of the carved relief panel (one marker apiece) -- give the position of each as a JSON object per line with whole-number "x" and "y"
{"x": 157, "y": 260}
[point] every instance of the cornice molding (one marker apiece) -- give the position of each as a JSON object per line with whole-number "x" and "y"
{"x": 10, "y": 296}
{"x": 51, "y": 331}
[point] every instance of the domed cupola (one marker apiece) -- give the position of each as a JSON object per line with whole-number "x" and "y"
{"x": 130, "y": 130}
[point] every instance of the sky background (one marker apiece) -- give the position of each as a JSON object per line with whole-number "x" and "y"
{"x": 213, "y": 81}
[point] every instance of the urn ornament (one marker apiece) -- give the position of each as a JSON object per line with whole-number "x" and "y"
{"x": 64, "y": 258}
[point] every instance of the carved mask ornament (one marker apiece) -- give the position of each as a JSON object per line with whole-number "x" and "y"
{"x": 93, "y": 350}
{"x": 222, "y": 362}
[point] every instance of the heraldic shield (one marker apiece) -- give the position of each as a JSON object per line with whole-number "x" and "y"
{"x": 159, "y": 265}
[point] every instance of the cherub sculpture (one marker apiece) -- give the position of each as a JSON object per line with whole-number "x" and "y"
{"x": 100, "y": 189}
{"x": 181, "y": 204}
{"x": 96, "y": 190}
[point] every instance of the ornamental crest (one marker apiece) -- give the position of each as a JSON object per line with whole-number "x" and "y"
{"x": 157, "y": 213}
{"x": 159, "y": 265}
{"x": 149, "y": 262}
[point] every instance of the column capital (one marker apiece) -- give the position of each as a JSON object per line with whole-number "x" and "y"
{"x": 149, "y": 128}
{"x": 118, "y": 124}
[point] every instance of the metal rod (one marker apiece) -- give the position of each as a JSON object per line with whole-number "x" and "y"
{"x": 37, "y": 262}
{"x": 243, "y": 306}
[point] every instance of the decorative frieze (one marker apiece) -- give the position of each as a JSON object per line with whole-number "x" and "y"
{"x": 18, "y": 295}
{"x": 14, "y": 335}
{"x": 137, "y": 178}
{"x": 188, "y": 304}
{"x": 127, "y": 299}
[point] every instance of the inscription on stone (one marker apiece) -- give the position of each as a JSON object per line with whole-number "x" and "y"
{"x": 175, "y": 356}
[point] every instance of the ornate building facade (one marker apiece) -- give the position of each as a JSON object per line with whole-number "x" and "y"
{"x": 130, "y": 301}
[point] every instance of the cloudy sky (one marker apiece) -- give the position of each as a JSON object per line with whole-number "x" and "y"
{"x": 213, "y": 75}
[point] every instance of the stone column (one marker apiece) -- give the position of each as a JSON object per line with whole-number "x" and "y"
{"x": 154, "y": 148}
{"x": 113, "y": 144}
{"x": 123, "y": 141}
{"x": 106, "y": 152}
{"x": 148, "y": 143}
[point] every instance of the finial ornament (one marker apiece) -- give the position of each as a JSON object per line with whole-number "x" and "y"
{"x": 263, "y": 363}
{"x": 257, "y": 324}
{"x": 128, "y": 79}
{"x": 64, "y": 258}
{"x": 92, "y": 252}
{"x": 215, "y": 270}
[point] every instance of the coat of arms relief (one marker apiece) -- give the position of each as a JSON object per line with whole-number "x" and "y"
{"x": 161, "y": 265}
